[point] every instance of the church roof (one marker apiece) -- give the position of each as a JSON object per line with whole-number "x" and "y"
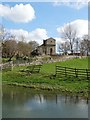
{"x": 46, "y": 40}
{"x": 49, "y": 38}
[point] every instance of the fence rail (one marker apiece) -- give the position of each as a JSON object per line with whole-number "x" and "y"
{"x": 72, "y": 72}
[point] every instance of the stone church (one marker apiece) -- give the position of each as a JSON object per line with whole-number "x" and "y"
{"x": 48, "y": 47}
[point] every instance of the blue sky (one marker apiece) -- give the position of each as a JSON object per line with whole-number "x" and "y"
{"x": 48, "y": 16}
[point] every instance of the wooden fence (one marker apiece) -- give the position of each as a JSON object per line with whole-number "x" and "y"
{"x": 72, "y": 72}
{"x": 34, "y": 68}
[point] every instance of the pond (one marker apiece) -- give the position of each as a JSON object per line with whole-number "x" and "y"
{"x": 21, "y": 102}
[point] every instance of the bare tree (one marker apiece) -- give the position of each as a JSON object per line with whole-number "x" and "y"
{"x": 85, "y": 45}
{"x": 4, "y": 34}
{"x": 9, "y": 48}
{"x": 64, "y": 47}
{"x": 70, "y": 35}
{"x": 8, "y": 43}
{"x": 1, "y": 33}
{"x": 24, "y": 49}
{"x": 33, "y": 44}
{"x": 2, "y": 30}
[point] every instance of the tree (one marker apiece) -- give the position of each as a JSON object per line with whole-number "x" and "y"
{"x": 4, "y": 34}
{"x": 2, "y": 30}
{"x": 33, "y": 44}
{"x": 70, "y": 35}
{"x": 9, "y": 48}
{"x": 64, "y": 47}
{"x": 7, "y": 43}
{"x": 85, "y": 45}
{"x": 77, "y": 45}
{"x": 24, "y": 49}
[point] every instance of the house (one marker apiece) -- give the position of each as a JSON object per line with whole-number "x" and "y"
{"x": 48, "y": 47}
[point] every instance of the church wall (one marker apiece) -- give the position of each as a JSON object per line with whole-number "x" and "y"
{"x": 48, "y": 47}
{"x": 50, "y": 41}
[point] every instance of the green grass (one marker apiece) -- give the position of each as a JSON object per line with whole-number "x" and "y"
{"x": 75, "y": 63}
{"x": 43, "y": 81}
{"x": 6, "y": 59}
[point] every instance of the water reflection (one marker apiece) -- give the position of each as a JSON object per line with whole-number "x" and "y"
{"x": 19, "y": 102}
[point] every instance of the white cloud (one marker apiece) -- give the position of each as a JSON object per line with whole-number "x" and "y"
{"x": 18, "y": 33}
{"x": 19, "y": 13}
{"x": 81, "y": 26}
{"x": 37, "y": 34}
{"x": 77, "y": 4}
{"x": 59, "y": 40}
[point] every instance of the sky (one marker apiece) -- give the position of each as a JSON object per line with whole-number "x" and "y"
{"x": 41, "y": 20}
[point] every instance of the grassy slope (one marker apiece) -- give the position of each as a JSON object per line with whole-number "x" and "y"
{"x": 75, "y": 63}
{"x": 43, "y": 80}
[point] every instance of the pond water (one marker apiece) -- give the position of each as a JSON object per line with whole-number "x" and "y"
{"x": 21, "y": 102}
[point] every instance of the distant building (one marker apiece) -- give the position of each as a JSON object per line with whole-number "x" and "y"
{"x": 48, "y": 47}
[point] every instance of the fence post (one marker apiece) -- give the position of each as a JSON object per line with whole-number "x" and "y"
{"x": 56, "y": 70}
{"x": 76, "y": 72}
{"x": 65, "y": 72}
{"x": 87, "y": 74}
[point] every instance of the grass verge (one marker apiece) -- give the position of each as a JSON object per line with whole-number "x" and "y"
{"x": 43, "y": 81}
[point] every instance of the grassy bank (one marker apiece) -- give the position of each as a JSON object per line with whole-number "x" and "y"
{"x": 43, "y": 81}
